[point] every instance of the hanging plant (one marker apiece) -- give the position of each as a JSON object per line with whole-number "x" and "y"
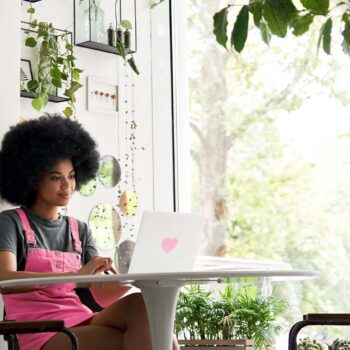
{"x": 123, "y": 47}
{"x": 122, "y": 43}
{"x": 56, "y": 64}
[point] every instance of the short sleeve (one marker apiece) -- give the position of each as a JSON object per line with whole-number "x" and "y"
{"x": 8, "y": 232}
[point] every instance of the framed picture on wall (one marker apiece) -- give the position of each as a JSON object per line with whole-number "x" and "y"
{"x": 102, "y": 96}
{"x": 26, "y": 73}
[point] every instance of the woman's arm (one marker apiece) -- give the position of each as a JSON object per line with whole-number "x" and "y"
{"x": 107, "y": 293}
{"x": 8, "y": 271}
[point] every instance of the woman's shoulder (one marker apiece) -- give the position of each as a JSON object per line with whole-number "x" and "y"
{"x": 82, "y": 226}
{"x": 9, "y": 217}
{"x": 9, "y": 213}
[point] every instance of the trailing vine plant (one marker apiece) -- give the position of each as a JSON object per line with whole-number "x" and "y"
{"x": 56, "y": 66}
{"x": 278, "y": 17}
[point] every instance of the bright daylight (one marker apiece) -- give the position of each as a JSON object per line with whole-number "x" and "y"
{"x": 270, "y": 154}
{"x": 175, "y": 175}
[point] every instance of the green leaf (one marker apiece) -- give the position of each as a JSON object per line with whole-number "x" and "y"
{"x": 42, "y": 31}
{"x": 68, "y": 111}
{"x": 121, "y": 49}
{"x": 69, "y": 47}
{"x": 240, "y": 29}
{"x": 256, "y": 9}
{"x": 346, "y": 33}
{"x": 56, "y": 82}
{"x": 133, "y": 66}
{"x": 30, "y": 42}
{"x": 155, "y": 4}
{"x": 318, "y": 7}
{"x": 44, "y": 98}
{"x": 31, "y": 10}
{"x": 278, "y": 15}
{"x": 64, "y": 76}
{"x": 72, "y": 89}
{"x": 34, "y": 23}
{"x": 71, "y": 58}
{"x": 55, "y": 73}
{"x": 220, "y": 26}
{"x": 265, "y": 33}
{"x": 32, "y": 85}
{"x": 75, "y": 75}
{"x": 325, "y": 36}
{"x": 78, "y": 70}
{"x": 39, "y": 102}
{"x": 126, "y": 24}
{"x": 59, "y": 60}
{"x": 302, "y": 24}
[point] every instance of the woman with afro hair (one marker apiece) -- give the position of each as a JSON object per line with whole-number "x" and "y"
{"x": 42, "y": 163}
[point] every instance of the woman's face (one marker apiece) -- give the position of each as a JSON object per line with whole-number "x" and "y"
{"x": 57, "y": 185}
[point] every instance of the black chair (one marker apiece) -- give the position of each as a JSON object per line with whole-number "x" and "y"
{"x": 316, "y": 320}
{"x": 10, "y": 329}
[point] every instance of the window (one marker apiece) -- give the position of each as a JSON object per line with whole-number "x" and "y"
{"x": 265, "y": 150}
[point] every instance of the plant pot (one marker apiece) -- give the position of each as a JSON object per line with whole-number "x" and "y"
{"x": 218, "y": 344}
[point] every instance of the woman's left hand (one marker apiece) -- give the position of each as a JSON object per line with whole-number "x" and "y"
{"x": 96, "y": 265}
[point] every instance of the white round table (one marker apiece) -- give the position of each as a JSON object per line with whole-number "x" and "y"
{"x": 160, "y": 290}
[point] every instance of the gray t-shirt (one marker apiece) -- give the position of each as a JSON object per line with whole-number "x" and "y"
{"x": 49, "y": 234}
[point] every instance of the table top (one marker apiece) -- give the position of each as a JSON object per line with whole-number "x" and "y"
{"x": 176, "y": 277}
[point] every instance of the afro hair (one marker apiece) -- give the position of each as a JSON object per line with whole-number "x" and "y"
{"x": 31, "y": 148}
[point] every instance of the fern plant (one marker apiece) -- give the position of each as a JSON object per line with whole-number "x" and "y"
{"x": 234, "y": 315}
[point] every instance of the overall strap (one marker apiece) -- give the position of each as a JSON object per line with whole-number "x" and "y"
{"x": 29, "y": 234}
{"x": 75, "y": 234}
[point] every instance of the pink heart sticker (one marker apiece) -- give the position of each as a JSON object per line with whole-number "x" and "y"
{"x": 169, "y": 244}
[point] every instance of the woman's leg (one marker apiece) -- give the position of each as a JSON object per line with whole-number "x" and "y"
{"x": 123, "y": 325}
{"x": 129, "y": 315}
{"x": 89, "y": 338}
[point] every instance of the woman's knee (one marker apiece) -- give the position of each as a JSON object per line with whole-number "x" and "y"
{"x": 135, "y": 303}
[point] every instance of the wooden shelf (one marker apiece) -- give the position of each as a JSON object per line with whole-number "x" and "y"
{"x": 52, "y": 98}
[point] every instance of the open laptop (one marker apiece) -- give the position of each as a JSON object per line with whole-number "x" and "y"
{"x": 167, "y": 242}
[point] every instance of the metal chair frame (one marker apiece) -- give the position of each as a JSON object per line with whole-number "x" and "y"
{"x": 316, "y": 320}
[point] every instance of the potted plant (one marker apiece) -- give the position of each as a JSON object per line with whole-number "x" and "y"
{"x": 56, "y": 64}
{"x": 235, "y": 319}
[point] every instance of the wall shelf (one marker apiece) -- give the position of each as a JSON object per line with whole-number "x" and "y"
{"x": 97, "y": 24}
{"x": 30, "y": 55}
{"x": 94, "y": 45}
{"x": 52, "y": 98}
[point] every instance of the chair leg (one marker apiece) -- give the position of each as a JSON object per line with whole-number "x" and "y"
{"x": 72, "y": 337}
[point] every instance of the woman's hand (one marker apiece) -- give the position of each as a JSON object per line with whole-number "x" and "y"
{"x": 96, "y": 265}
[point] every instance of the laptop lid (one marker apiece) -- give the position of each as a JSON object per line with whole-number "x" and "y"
{"x": 167, "y": 242}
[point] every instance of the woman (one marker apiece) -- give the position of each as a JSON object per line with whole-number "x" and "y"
{"x": 42, "y": 162}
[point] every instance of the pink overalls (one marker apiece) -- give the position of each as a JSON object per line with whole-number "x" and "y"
{"x": 57, "y": 302}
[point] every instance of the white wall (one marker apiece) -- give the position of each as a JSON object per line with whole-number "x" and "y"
{"x": 106, "y": 128}
{"x": 154, "y": 163}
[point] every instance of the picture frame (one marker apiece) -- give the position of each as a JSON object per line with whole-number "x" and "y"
{"x": 102, "y": 96}
{"x": 26, "y": 73}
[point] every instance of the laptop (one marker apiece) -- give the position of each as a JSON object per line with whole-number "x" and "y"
{"x": 167, "y": 242}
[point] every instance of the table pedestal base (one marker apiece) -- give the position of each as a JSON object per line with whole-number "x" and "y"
{"x": 161, "y": 306}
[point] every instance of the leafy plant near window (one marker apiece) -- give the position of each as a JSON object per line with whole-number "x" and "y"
{"x": 56, "y": 66}
{"x": 235, "y": 315}
{"x": 278, "y": 17}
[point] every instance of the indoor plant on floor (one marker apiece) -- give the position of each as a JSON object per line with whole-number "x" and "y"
{"x": 236, "y": 319}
